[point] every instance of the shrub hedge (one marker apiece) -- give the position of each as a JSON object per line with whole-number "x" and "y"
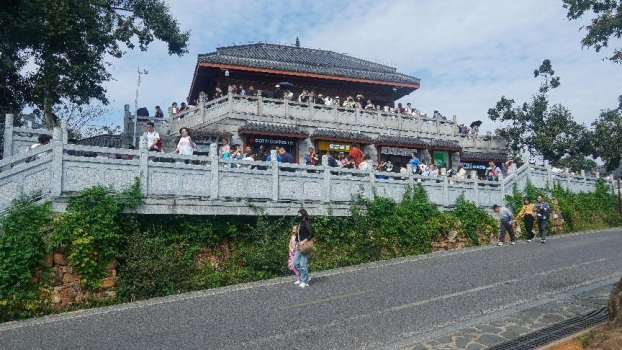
{"x": 168, "y": 254}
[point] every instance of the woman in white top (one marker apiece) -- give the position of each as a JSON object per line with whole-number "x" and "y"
{"x": 186, "y": 145}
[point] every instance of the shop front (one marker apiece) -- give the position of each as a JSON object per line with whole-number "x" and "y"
{"x": 478, "y": 161}
{"x": 264, "y": 137}
{"x": 338, "y": 141}
{"x": 397, "y": 155}
{"x": 261, "y": 145}
{"x": 399, "y": 149}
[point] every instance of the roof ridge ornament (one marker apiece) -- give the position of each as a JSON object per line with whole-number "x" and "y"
{"x": 297, "y": 42}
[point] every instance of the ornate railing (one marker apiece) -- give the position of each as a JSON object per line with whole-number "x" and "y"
{"x": 291, "y": 112}
{"x": 58, "y": 170}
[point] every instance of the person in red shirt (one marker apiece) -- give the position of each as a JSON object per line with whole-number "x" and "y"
{"x": 357, "y": 154}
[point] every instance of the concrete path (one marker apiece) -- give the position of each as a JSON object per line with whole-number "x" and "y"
{"x": 391, "y": 304}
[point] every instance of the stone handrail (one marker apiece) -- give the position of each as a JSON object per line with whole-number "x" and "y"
{"x": 60, "y": 169}
{"x": 206, "y": 113}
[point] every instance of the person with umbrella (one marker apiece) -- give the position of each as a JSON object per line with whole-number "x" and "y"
{"x": 475, "y": 127}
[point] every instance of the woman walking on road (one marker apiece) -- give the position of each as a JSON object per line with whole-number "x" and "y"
{"x": 304, "y": 246}
{"x": 528, "y": 214}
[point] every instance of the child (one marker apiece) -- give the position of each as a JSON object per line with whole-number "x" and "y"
{"x": 292, "y": 252}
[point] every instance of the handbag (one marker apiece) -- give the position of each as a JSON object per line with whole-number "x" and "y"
{"x": 307, "y": 248}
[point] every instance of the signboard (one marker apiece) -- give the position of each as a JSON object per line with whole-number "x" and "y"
{"x": 398, "y": 151}
{"x": 474, "y": 165}
{"x": 441, "y": 158}
{"x": 333, "y": 146}
{"x": 259, "y": 140}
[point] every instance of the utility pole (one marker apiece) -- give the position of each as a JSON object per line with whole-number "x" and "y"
{"x": 136, "y": 103}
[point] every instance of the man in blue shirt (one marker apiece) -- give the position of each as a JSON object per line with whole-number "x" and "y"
{"x": 506, "y": 224}
{"x": 413, "y": 163}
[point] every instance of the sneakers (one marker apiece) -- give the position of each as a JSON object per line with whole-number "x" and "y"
{"x": 297, "y": 282}
{"x": 512, "y": 243}
{"x": 499, "y": 244}
{"x": 304, "y": 285}
{"x": 528, "y": 240}
{"x": 543, "y": 241}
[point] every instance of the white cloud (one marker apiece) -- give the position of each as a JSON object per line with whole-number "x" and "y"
{"x": 468, "y": 54}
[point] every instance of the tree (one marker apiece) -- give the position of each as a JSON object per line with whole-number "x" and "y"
{"x": 605, "y": 26}
{"x": 69, "y": 42}
{"x": 547, "y": 131}
{"x": 577, "y": 162}
{"x": 606, "y": 137}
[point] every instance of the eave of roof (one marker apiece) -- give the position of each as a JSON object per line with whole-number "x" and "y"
{"x": 307, "y": 75}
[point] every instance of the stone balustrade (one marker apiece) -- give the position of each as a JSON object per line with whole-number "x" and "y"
{"x": 336, "y": 117}
{"x": 207, "y": 185}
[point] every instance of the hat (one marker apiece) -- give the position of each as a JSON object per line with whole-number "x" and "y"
{"x": 336, "y": 96}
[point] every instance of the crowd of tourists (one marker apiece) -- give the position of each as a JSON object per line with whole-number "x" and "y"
{"x": 310, "y": 96}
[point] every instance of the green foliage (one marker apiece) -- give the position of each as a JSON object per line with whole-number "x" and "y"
{"x": 605, "y": 140}
{"x": 474, "y": 222}
{"x": 604, "y": 27}
{"x": 69, "y": 43}
{"x": 21, "y": 255}
{"x": 92, "y": 230}
{"x": 151, "y": 267}
{"x": 580, "y": 211}
{"x": 549, "y": 131}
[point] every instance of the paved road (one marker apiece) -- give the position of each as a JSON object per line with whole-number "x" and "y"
{"x": 370, "y": 306}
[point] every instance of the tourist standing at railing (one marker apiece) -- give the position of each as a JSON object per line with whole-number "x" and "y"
{"x": 365, "y": 164}
{"x": 508, "y": 168}
{"x": 413, "y": 163}
{"x": 431, "y": 172}
{"x": 357, "y": 154}
{"x": 186, "y": 145}
{"x": 184, "y": 107}
{"x": 251, "y": 158}
{"x": 320, "y": 99}
{"x": 342, "y": 160}
{"x": 460, "y": 173}
{"x": 142, "y": 112}
{"x": 369, "y": 105}
{"x": 247, "y": 151}
{"x": 528, "y": 214}
{"x": 153, "y": 138}
{"x": 309, "y": 159}
{"x": 241, "y": 91}
{"x": 251, "y": 91}
{"x": 158, "y": 112}
{"x": 217, "y": 93}
{"x": 174, "y": 108}
{"x": 328, "y": 101}
{"x": 543, "y": 211}
{"x": 225, "y": 148}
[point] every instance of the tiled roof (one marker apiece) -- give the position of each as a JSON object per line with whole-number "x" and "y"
{"x": 305, "y": 60}
{"x": 208, "y": 134}
{"x": 484, "y": 156}
{"x": 340, "y": 135}
{"x": 445, "y": 144}
{"x": 271, "y": 128}
{"x": 400, "y": 140}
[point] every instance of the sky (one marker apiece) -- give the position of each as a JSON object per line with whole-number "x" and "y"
{"x": 467, "y": 53}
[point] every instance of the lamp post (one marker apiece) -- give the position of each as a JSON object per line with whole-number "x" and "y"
{"x": 144, "y": 71}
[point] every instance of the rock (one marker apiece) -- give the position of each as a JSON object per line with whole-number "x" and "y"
{"x": 48, "y": 260}
{"x": 60, "y": 259}
{"x": 110, "y": 294}
{"x": 70, "y": 277}
{"x": 56, "y": 296}
{"x": 109, "y": 282}
{"x": 615, "y": 305}
{"x": 80, "y": 298}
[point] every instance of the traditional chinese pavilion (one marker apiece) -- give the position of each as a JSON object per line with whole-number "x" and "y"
{"x": 329, "y": 73}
